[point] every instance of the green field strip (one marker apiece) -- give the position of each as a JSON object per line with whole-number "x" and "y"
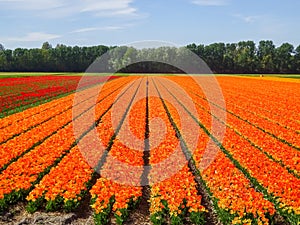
{"x": 25, "y": 74}
{"x": 289, "y": 215}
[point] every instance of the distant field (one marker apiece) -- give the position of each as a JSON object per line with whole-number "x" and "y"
{"x": 22, "y": 74}
{"x": 26, "y": 74}
{"x": 297, "y": 76}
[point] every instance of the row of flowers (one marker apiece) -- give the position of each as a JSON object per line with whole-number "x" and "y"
{"x": 277, "y": 150}
{"x": 32, "y": 112}
{"x": 22, "y": 121}
{"x": 20, "y": 176}
{"x": 24, "y": 142}
{"x": 38, "y": 118}
{"x": 268, "y": 98}
{"x": 263, "y": 111}
{"x": 119, "y": 188}
{"x": 272, "y": 147}
{"x": 17, "y": 179}
{"x": 281, "y": 187}
{"x": 65, "y": 184}
{"x": 23, "y": 92}
{"x": 68, "y": 182}
{"x": 26, "y": 91}
{"x": 234, "y": 199}
{"x": 271, "y": 127}
{"x": 174, "y": 195}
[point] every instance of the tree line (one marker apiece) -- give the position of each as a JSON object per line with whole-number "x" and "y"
{"x": 241, "y": 57}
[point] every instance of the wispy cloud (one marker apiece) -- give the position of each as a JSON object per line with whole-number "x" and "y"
{"x": 90, "y": 29}
{"x": 113, "y": 7}
{"x": 31, "y": 5}
{"x": 33, "y": 37}
{"x": 210, "y": 2}
{"x": 247, "y": 19}
{"x": 72, "y": 7}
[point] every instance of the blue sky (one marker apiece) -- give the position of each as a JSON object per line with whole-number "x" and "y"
{"x": 29, "y": 23}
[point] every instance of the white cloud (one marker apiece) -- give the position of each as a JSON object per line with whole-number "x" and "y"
{"x": 90, "y": 29}
{"x": 72, "y": 7}
{"x": 210, "y": 2}
{"x": 34, "y": 36}
{"x": 31, "y": 4}
{"x": 100, "y": 5}
{"x": 247, "y": 19}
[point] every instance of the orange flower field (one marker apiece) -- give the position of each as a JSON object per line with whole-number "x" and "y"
{"x": 167, "y": 148}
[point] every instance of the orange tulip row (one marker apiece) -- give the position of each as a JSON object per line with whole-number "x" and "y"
{"x": 287, "y": 135}
{"x": 280, "y": 152}
{"x": 108, "y": 196}
{"x": 269, "y": 174}
{"x": 17, "y": 179}
{"x": 173, "y": 188}
{"x": 177, "y": 196}
{"x": 17, "y": 117}
{"x": 59, "y": 185}
{"x": 25, "y": 141}
{"x": 268, "y": 95}
{"x": 21, "y": 122}
{"x": 236, "y": 201}
{"x": 119, "y": 188}
{"x": 67, "y": 182}
{"x": 40, "y": 118}
{"x": 249, "y": 105}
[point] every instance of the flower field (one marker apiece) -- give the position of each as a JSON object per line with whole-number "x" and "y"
{"x": 17, "y": 94}
{"x": 151, "y": 149}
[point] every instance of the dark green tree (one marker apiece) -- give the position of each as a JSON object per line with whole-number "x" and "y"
{"x": 1, "y": 48}
{"x": 266, "y": 56}
{"x": 246, "y": 58}
{"x": 46, "y": 45}
{"x": 284, "y": 57}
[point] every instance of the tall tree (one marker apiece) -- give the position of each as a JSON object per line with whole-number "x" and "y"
{"x": 214, "y": 56}
{"x": 266, "y": 55}
{"x": 1, "y": 48}
{"x": 229, "y": 58}
{"x": 284, "y": 58}
{"x": 246, "y": 60}
{"x": 46, "y": 45}
{"x": 296, "y": 63}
